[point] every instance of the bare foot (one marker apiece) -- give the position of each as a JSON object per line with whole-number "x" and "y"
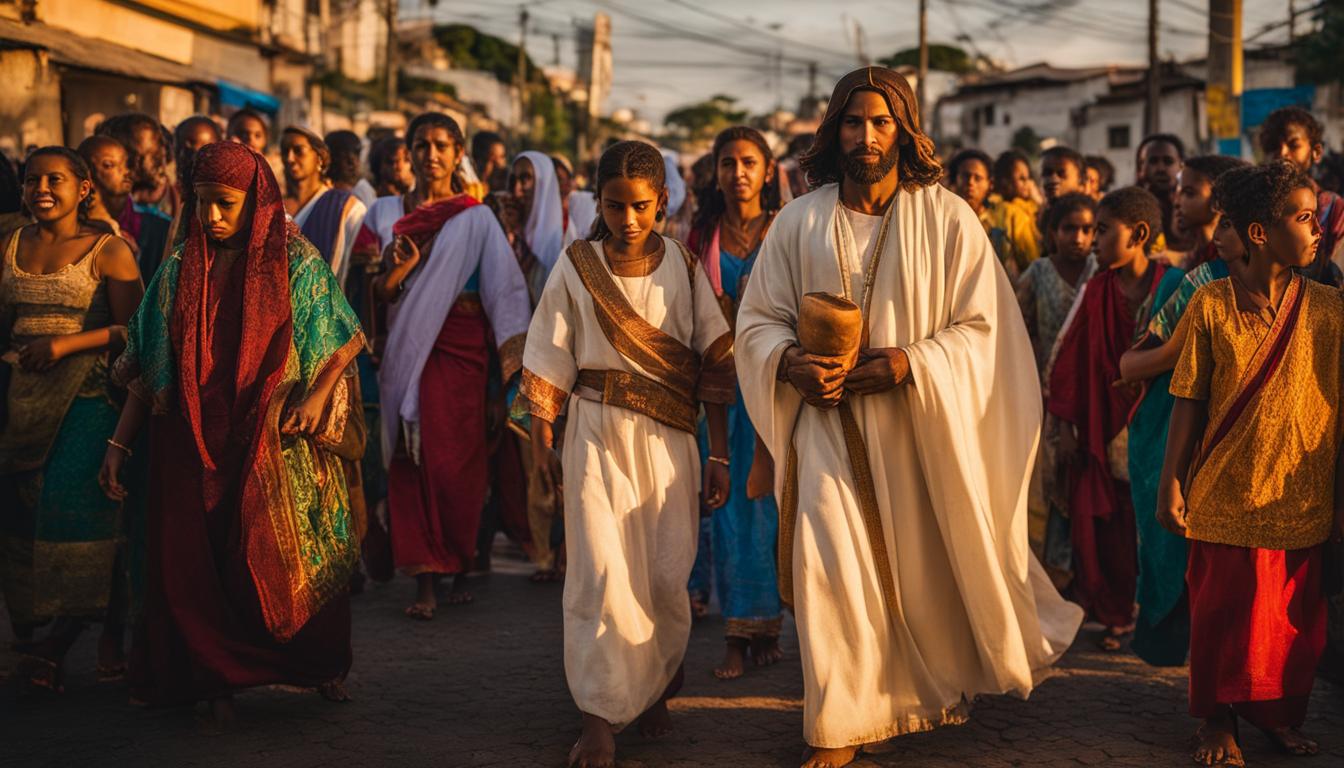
{"x": 1216, "y": 742}
{"x": 734, "y": 660}
{"x": 334, "y": 691}
{"x": 425, "y": 601}
{"x": 1291, "y": 741}
{"x": 817, "y": 757}
{"x": 459, "y": 594}
{"x": 596, "y": 747}
{"x": 765, "y": 650}
{"x": 221, "y": 709}
{"x": 656, "y": 722}
{"x": 699, "y": 607}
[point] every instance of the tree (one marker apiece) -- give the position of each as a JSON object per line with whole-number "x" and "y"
{"x": 1027, "y": 141}
{"x": 707, "y": 118}
{"x": 469, "y": 48}
{"x": 1318, "y": 54}
{"x": 942, "y": 58}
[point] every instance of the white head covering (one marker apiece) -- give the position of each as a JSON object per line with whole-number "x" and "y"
{"x": 676, "y": 185}
{"x": 545, "y": 230}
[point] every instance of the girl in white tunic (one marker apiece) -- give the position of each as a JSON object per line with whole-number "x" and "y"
{"x": 628, "y": 337}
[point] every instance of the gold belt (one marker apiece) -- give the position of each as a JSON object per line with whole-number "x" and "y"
{"x": 640, "y": 394}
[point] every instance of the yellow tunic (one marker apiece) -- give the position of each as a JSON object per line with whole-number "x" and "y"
{"x": 1269, "y": 482}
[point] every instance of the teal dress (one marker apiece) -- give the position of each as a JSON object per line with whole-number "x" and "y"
{"x": 740, "y": 539}
{"x": 1162, "y": 632}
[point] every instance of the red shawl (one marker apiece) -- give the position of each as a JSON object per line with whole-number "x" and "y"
{"x": 424, "y": 223}
{"x": 266, "y": 334}
{"x": 1086, "y": 367}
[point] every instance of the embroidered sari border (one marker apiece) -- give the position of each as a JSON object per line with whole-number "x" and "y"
{"x": 544, "y": 399}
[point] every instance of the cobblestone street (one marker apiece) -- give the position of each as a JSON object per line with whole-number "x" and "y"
{"x": 483, "y": 685}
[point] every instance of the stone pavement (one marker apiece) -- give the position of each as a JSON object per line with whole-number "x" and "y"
{"x": 483, "y": 685}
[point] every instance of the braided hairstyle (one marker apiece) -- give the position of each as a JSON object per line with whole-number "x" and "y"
{"x": 439, "y": 120}
{"x": 710, "y": 203}
{"x": 77, "y": 166}
{"x": 627, "y": 160}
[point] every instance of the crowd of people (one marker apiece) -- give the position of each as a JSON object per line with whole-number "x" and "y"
{"x": 942, "y": 409}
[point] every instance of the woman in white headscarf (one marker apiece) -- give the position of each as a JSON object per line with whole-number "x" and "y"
{"x": 677, "y": 223}
{"x": 536, "y": 190}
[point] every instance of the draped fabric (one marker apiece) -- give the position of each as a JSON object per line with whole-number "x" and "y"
{"x": 582, "y": 214}
{"x": 1082, "y": 394}
{"x": 332, "y": 221}
{"x": 631, "y": 484}
{"x": 58, "y": 532}
{"x": 545, "y": 227}
{"x": 949, "y": 454}
{"x": 459, "y": 239}
{"x": 250, "y": 538}
{"x": 1257, "y": 631}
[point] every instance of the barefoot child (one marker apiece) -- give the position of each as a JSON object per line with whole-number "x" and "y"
{"x": 1251, "y": 474}
{"x": 1045, "y": 294}
{"x": 629, "y": 335}
{"x": 1162, "y": 633}
{"x": 1114, "y": 308}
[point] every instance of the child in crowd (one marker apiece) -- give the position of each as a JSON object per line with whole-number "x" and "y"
{"x": 1293, "y": 134}
{"x": 1099, "y": 176}
{"x": 1010, "y": 212}
{"x": 628, "y": 335}
{"x": 1114, "y": 307}
{"x": 1062, "y": 172}
{"x": 1252, "y": 469}
{"x": 1194, "y": 212}
{"x": 1045, "y": 293}
{"x": 1162, "y": 631}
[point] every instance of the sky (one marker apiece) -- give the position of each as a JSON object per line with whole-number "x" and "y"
{"x": 668, "y": 53}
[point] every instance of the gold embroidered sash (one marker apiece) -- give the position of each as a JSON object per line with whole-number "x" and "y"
{"x": 666, "y": 360}
{"x": 640, "y": 394}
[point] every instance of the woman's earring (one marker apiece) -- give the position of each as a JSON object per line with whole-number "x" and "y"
{"x": 660, "y": 215}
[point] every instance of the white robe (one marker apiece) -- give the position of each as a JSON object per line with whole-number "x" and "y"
{"x": 345, "y": 239}
{"x": 950, "y": 451}
{"x": 631, "y": 488}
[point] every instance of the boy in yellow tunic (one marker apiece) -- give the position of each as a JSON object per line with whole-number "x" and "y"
{"x": 1252, "y": 468}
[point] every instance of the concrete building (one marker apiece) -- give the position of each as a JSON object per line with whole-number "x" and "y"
{"x": 67, "y": 64}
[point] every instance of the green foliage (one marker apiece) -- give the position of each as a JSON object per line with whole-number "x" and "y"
{"x": 469, "y": 48}
{"x": 942, "y": 58}
{"x": 552, "y": 122}
{"x": 1318, "y": 55}
{"x": 1027, "y": 141}
{"x": 705, "y": 119}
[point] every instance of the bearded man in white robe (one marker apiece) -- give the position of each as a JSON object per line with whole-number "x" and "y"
{"x": 903, "y": 476}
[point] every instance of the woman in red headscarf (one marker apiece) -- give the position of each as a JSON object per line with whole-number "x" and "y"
{"x": 250, "y": 542}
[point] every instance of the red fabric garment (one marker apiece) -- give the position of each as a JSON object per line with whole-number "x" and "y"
{"x": 423, "y": 224}
{"x": 203, "y": 633}
{"x": 1257, "y": 630}
{"x": 435, "y": 508}
{"x": 1102, "y": 528}
{"x": 129, "y": 220}
{"x": 509, "y": 489}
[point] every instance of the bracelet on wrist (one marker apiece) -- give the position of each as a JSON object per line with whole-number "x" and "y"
{"x": 119, "y": 447}
{"x": 719, "y": 460}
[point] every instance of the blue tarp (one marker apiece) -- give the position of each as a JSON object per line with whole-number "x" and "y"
{"x": 241, "y": 96}
{"x": 1257, "y": 104}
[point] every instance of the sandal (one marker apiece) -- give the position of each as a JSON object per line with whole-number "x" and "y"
{"x": 420, "y": 612}
{"x": 42, "y": 673}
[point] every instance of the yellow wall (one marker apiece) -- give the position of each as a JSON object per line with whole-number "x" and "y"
{"x": 216, "y": 14}
{"x": 120, "y": 25}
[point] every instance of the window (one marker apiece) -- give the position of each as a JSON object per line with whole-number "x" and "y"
{"x": 1007, "y": 119}
{"x": 1117, "y": 137}
{"x": 989, "y": 115}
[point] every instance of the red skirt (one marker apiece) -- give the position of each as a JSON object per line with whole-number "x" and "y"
{"x": 435, "y": 508}
{"x": 1257, "y": 629}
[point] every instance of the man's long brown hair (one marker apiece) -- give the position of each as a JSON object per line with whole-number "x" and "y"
{"x": 918, "y": 165}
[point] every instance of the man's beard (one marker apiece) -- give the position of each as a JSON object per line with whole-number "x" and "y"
{"x": 863, "y": 173}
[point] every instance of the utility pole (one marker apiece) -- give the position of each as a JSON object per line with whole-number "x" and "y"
{"x": 1292, "y": 21}
{"x": 811, "y": 79}
{"x": 920, "y": 91}
{"x": 1223, "y": 90}
{"x": 522, "y": 67}
{"x": 390, "y": 17}
{"x": 1152, "y": 119}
